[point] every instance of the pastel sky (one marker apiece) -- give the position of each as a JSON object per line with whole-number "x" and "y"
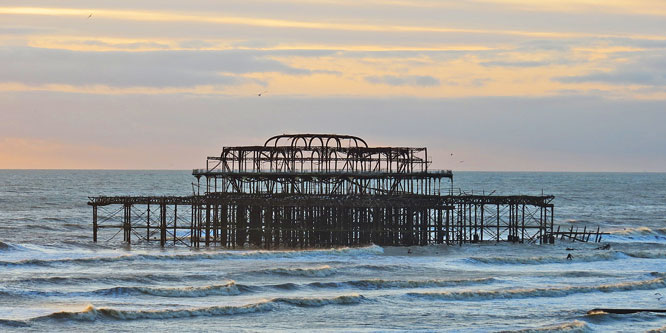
{"x": 562, "y": 85}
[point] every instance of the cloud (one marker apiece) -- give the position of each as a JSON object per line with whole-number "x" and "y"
{"x": 514, "y": 63}
{"x": 646, "y": 70}
{"x": 409, "y": 80}
{"x": 36, "y": 66}
{"x": 130, "y": 46}
{"x": 195, "y": 44}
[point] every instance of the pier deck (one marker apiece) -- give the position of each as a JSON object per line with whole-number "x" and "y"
{"x": 237, "y": 220}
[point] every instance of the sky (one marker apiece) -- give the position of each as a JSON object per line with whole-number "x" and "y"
{"x": 503, "y": 85}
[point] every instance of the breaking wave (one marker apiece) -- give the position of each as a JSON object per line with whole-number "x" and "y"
{"x": 92, "y": 313}
{"x": 10, "y": 247}
{"x": 479, "y": 295}
{"x": 233, "y": 289}
{"x": 13, "y": 323}
{"x": 573, "y": 326}
{"x": 110, "y": 279}
{"x": 228, "y": 289}
{"x": 640, "y": 231}
{"x": 228, "y": 255}
{"x": 596, "y": 256}
{"x": 321, "y": 271}
{"x": 647, "y": 254}
{"x": 637, "y": 234}
{"x": 399, "y": 284}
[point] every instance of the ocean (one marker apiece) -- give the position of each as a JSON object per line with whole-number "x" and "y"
{"x": 54, "y": 278}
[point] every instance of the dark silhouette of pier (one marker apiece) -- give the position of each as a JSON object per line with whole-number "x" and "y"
{"x": 326, "y": 190}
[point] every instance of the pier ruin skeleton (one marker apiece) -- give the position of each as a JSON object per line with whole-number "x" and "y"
{"x": 325, "y": 190}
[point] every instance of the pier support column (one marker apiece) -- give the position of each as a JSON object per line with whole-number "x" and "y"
{"x": 447, "y": 231}
{"x": 163, "y": 212}
{"x": 207, "y": 225}
{"x": 440, "y": 232}
{"x": 127, "y": 223}
{"x": 148, "y": 223}
{"x": 482, "y": 222}
{"x": 95, "y": 223}
{"x": 498, "y": 223}
{"x": 175, "y": 218}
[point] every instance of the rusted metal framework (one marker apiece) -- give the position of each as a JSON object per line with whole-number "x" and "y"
{"x": 320, "y": 164}
{"x": 323, "y": 190}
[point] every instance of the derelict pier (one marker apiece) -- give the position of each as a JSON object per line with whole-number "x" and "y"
{"x": 325, "y": 190}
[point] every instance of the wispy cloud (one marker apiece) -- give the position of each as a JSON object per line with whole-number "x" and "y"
{"x": 408, "y": 80}
{"x": 127, "y": 69}
{"x": 514, "y": 63}
{"x": 646, "y": 70}
{"x": 163, "y": 16}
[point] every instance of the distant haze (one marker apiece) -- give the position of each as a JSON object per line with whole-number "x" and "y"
{"x": 549, "y": 86}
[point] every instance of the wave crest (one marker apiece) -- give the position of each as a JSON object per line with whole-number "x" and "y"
{"x": 597, "y": 256}
{"x": 254, "y": 254}
{"x": 321, "y": 301}
{"x": 321, "y": 271}
{"x": 573, "y": 326}
{"x": 399, "y": 284}
{"x": 13, "y": 323}
{"x": 228, "y": 289}
{"x": 541, "y": 292}
{"x": 639, "y": 231}
{"x": 92, "y": 313}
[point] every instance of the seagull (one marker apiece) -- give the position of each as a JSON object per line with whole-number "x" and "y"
{"x": 89, "y": 16}
{"x": 259, "y": 94}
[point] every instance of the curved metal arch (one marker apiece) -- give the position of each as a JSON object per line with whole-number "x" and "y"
{"x": 275, "y": 140}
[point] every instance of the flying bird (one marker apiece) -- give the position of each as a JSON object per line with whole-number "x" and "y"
{"x": 259, "y": 94}
{"x": 89, "y": 16}
{"x": 461, "y": 161}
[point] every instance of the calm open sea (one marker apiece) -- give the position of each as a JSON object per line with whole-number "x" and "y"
{"x": 53, "y": 278}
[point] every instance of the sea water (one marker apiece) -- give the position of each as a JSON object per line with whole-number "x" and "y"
{"x": 54, "y": 278}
